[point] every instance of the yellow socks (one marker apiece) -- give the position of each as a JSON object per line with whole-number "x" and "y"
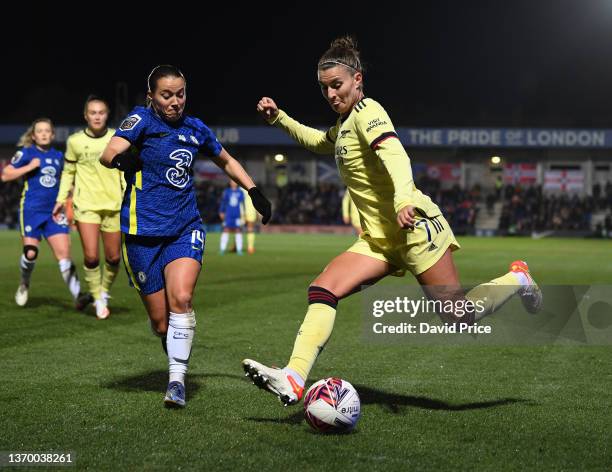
{"x": 109, "y": 275}
{"x": 315, "y": 330}
{"x": 93, "y": 277}
{"x": 494, "y": 294}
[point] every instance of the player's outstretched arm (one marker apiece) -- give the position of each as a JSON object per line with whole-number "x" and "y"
{"x": 12, "y": 173}
{"x": 311, "y": 138}
{"x": 234, "y": 170}
{"x": 117, "y": 156}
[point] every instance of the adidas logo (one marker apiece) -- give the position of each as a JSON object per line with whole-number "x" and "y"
{"x": 432, "y": 247}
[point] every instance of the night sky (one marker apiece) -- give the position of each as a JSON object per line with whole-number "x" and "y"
{"x": 432, "y": 63}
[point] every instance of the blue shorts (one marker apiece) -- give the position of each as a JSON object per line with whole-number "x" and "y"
{"x": 36, "y": 224}
{"x": 146, "y": 257}
{"x": 232, "y": 222}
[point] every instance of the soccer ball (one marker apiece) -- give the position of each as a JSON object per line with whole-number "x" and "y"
{"x": 332, "y": 406}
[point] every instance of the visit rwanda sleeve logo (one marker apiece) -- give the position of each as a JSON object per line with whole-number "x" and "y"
{"x": 179, "y": 174}
{"x": 130, "y": 122}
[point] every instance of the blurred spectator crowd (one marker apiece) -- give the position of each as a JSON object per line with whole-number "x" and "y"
{"x": 527, "y": 210}
{"x": 524, "y": 209}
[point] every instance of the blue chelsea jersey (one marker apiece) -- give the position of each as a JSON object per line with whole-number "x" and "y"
{"x": 160, "y": 200}
{"x": 42, "y": 184}
{"x": 232, "y": 203}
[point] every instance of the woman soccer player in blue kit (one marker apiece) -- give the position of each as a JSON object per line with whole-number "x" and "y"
{"x": 232, "y": 213}
{"x": 41, "y": 165}
{"x": 163, "y": 236}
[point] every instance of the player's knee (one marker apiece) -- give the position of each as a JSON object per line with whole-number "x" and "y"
{"x": 113, "y": 261}
{"x": 159, "y": 328}
{"x": 180, "y": 301}
{"x": 91, "y": 262}
{"x": 30, "y": 252}
{"x": 324, "y": 283}
{"x": 318, "y": 294}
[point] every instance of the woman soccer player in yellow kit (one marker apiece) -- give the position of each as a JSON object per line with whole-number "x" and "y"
{"x": 97, "y": 199}
{"x": 402, "y": 228}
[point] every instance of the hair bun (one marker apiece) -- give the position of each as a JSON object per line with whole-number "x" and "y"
{"x": 344, "y": 42}
{"x": 342, "y": 50}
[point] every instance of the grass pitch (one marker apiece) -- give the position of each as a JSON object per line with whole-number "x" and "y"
{"x": 73, "y": 383}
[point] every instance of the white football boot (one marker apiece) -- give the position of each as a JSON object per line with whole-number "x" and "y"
{"x": 274, "y": 380}
{"x": 21, "y": 296}
{"x": 102, "y": 311}
{"x": 531, "y": 295}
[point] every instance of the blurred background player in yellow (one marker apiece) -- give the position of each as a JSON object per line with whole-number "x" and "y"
{"x": 40, "y": 165}
{"x": 250, "y": 217}
{"x": 402, "y": 228}
{"x": 350, "y": 214}
{"x": 97, "y": 196}
{"x": 231, "y": 212}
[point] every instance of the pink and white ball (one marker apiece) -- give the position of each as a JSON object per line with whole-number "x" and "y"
{"x": 332, "y": 406}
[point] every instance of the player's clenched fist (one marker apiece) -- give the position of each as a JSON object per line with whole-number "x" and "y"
{"x": 405, "y": 217}
{"x": 267, "y": 108}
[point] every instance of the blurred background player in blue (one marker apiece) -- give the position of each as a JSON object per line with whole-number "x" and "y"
{"x": 231, "y": 212}
{"x": 162, "y": 230}
{"x": 41, "y": 165}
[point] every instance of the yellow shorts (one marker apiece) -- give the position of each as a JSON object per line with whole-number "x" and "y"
{"x": 108, "y": 220}
{"x": 416, "y": 250}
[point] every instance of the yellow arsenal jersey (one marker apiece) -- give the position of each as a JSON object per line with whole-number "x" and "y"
{"x": 372, "y": 163}
{"x": 95, "y": 186}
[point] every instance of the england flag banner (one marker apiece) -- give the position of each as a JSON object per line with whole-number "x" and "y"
{"x": 523, "y": 174}
{"x": 564, "y": 180}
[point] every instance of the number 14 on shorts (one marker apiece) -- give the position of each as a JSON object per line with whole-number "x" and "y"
{"x": 197, "y": 240}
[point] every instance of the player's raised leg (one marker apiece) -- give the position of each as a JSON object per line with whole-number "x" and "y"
{"x": 343, "y": 276}
{"x": 441, "y": 282}
{"x": 181, "y": 276}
